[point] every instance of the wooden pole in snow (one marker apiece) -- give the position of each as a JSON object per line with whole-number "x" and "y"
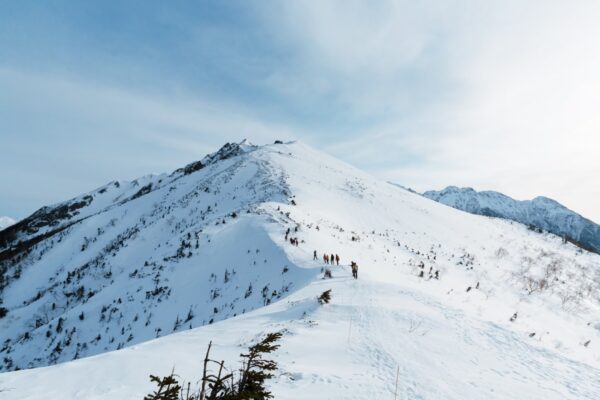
{"x": 349, "y": 330}
{"x": 397, "y": 376}
{"x": 203, "y": 389}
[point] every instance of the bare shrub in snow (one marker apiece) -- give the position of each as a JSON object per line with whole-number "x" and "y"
{"x": 414, "y": 325}
{"x": 247, "y": 383}
{"x": 501, "y": 252}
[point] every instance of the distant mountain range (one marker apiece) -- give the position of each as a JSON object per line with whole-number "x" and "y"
{"x": 541, "y": 213}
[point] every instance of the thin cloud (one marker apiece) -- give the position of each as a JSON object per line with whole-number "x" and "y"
{"x": 513, "y": 107}
{"x": 495, "y": 95}
{"x": 97, "y": 133}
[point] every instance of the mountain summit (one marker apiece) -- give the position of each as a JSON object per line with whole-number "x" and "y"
{"x": 541, "y": 212}
{"x": 447, "y": 305}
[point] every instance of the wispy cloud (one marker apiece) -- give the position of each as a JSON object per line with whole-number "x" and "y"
{"x": 61, "y": 137}
{"x": 496, "y": 95}
{"x": 500, "y": 95}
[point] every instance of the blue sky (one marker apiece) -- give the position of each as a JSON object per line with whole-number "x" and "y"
{"x": 495, "y": 95}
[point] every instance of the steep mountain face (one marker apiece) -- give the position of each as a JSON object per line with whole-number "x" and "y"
{"x": 50, "y": 220}
{"x": 447, "y": 305}
{"x": 541, "y": 212}
{"x": 132, "y": 261}
{"x": 5, "y": 222}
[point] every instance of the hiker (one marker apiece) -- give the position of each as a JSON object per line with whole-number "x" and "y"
{"x": 326, "y": 259}
{"x": 332, "y": 258}
{"x": 354, "y": 270}
{"x": 337, "y": 259}
{"x": 315, "y": 255}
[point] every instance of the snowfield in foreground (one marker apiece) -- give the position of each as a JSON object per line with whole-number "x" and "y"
{"x": 514, "y": 313}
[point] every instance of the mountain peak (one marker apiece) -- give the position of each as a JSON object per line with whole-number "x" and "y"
{"x": 226, "y": 151}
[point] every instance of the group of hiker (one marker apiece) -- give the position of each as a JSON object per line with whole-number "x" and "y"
{"x": 293, "y": 240}
{"x": 334, "y": 259}
{"x": 329, "y": 258}
{"x": 432, "y": 274}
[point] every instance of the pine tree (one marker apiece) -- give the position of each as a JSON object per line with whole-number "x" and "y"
{"x": 256, "y": 370}
{"x": 325, "y": 297}
{"x": 168, "y": 388}
{"x": 248, "y": 384}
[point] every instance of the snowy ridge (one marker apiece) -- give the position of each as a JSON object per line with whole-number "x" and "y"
{"x": 53, "y": 218}
{"x": 94, "y": 273}
{"x": 541, "y": 212}
{"x": 514, "y": 313}
{"x": 5, "y": 222}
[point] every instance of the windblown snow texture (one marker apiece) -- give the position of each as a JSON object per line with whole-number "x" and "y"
{"x": 541, "y": 212}
{"x": 447, "y": 305}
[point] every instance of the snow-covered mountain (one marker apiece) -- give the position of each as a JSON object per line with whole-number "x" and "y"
{"x": 5, "y": 222}
{"x": 541, "y": 212}
{"x": 132, "y": 261}
{"x": 448, "y": 305}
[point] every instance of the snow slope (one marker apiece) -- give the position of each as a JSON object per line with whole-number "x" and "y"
{"x": 540, "y": 212}
{"x": 134, "y": 261}
{"x": 446, "y": 338}
{"x": 5, "y": 222}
